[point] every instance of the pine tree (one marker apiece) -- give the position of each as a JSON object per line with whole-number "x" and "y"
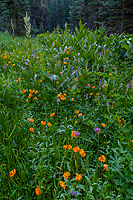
{"x": 76, "y": 13}
{"x": 15, "y": 10}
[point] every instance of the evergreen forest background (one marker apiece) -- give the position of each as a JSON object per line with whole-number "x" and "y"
{"x": 116, "y": 15}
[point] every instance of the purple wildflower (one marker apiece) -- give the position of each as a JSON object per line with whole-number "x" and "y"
{"x": 86, "y": 95}
{"x": 4, "y": 85}
{"x": 100, "y": 81}
{"x": 26, "y": 63}
{"x": 77, "y": 74}
{"x": 74, "y": 193}
{"x": 127, "y": 85}
{"x": 107, "y": 103}
{"x": 76, "y": 133}
{"x": 102, "y": 85}
{"x": 58, "y": 100}
{"x": 97, "y": 130}
{"x": 72, "y": 67}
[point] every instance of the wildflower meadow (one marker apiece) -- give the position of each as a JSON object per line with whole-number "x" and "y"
{"x": 66, "y": 116}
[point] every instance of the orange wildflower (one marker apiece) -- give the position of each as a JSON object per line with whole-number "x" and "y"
{"x": 72, "y": 134}
{"x": 88, "y": 84}
{"x": 12, "y": 173}
{"x": 51, "y": 115}
{"x": 31, "y": 120}
{"x": 80, "y": 74}
{"x": 59, "y": 95}
{"x": 102, "y": 159}
{"x": 35, "y": 97}
{"x": 118, "y": 120}
{"x": 110, "y": 74}
{"x": 36, "y": 92}
{"x": 67, "y": 52}
{"x": 103, "y": 124}
{"x": 27, "y": 100}
{"x": 48, "y": 72}
{"x": 76, "y": 79}
{"x": 24, "y": 91}
{"x": 65, "y": 147}
{"x": 78, "y": 177}
{"x": 64, "y": 63}
{"x": 19, "y": 78}
{"x": 69, "y": 147}
{"x": 13, "y": 65}
{"x": 60, "y": 73}
{"x": 16, "y": 81}
{"x": 30, "y": 95}
{"x": 77, "y": 112}
{"x": 80, "y": 115}
{"x": 63, "y": 98}
{"x": 106, "y": 85}
{"x": 40, "y": 81}
{"x": 93, "y": 87}
{"x": 82, "y": 153}
{"x": 75, "y": 59}
{"x": 30, "y": 91}
{"x": 67, "y": 58}
{"x": 62, "y": 184}
{"x": 31, "y": 129}
{"x": 57, "y": 82}
{"x": 43, "y": 123}
{"x": 38, "y": 191}
{"x": 91, "y": 94}
{"x": 68, "y": 48}
{"x": 72, "y": 99}
{"x": 105, "y": 167}
{"x": 66, "y": 175}
{"x": 76, "y": 149}
{"x": 49, "y": 124}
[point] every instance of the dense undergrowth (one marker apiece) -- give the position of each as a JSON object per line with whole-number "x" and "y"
{"x": 66, "y": 115}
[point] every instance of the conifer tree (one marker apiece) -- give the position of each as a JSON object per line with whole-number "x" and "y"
{"x": 15, "y": 10}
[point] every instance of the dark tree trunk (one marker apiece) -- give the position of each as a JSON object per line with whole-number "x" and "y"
{"x": 123, "y": 16}
{"x": 56, "y": 12}
{"x": 16, "y": 18}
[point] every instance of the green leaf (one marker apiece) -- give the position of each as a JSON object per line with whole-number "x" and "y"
{"x": 68, "y": 167}
{"x": 125, "y": 46}
{"x": 88, "y": 180}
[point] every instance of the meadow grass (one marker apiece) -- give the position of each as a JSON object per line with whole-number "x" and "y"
{"x": 66, "y": 115}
